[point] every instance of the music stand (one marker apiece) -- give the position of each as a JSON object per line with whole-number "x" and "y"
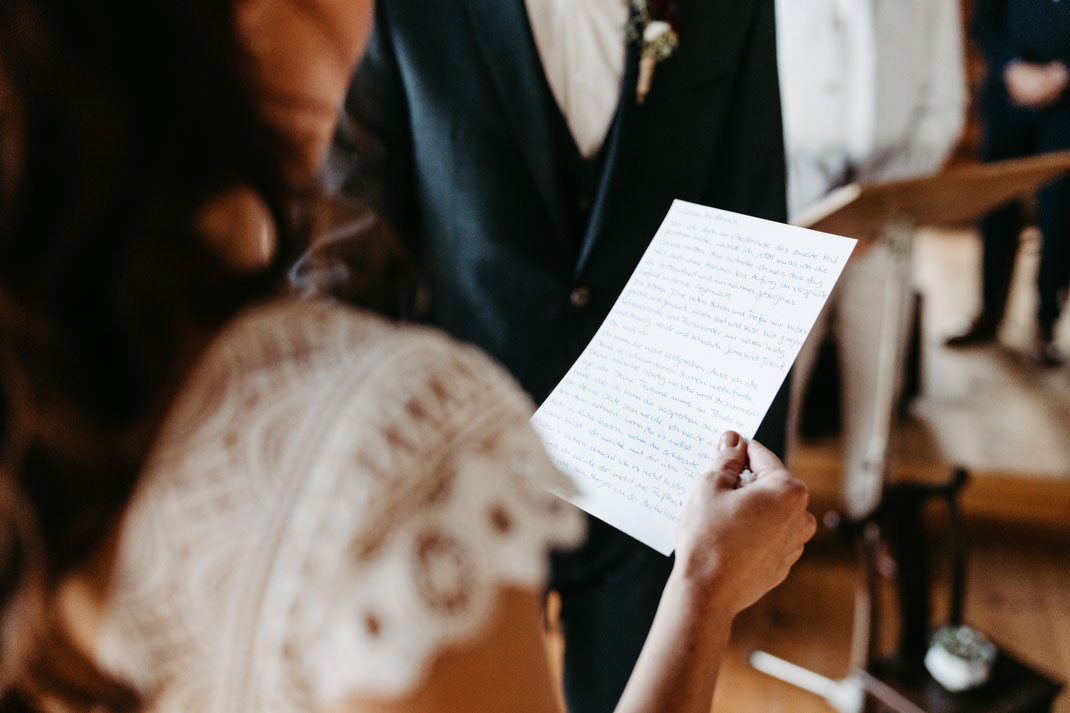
{"x": 892, "y": 212}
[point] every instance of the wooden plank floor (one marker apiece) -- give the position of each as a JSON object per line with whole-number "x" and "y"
{"x": 1018, "y": 593}
{"x": 990, "y": 408}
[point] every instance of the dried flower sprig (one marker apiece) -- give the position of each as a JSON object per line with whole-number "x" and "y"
{"x": 656, "y": 26}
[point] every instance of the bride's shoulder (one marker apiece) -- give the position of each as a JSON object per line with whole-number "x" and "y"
{"x": 296, "y": 332}
{"x": 378, "y": 482}
{"x": 397, "y": 356}
{"x": 396, "y": 389}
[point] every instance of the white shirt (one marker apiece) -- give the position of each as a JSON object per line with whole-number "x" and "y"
{"x": 582, "y": 47}
{"x": 878, "y": 85}
{"x": 827, "y": 58}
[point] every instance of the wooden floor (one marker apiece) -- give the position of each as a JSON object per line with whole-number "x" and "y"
{"x": 1018, "y": 594}
{"x": 990, "y": 408}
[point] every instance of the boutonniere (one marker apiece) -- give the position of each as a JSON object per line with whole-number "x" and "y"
{"x": 656, "y": 27}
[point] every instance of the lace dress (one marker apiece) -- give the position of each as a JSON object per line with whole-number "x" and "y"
{"x": 333, "y": 500}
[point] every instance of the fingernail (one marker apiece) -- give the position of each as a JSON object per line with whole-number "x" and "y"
{"x": 729, "y": 439}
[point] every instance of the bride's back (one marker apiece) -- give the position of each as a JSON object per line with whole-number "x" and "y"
{"x": 332, "y": 501}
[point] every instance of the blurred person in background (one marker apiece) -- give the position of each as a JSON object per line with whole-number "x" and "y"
{"x": 1025, "y": 110}
{"x": 214, "y": 498}
{"x": 873, "y": 90}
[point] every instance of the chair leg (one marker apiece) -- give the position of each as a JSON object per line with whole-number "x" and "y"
{"x": 866, "y": 631}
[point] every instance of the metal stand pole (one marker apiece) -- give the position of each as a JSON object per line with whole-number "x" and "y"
{"x": 845, "y": 695}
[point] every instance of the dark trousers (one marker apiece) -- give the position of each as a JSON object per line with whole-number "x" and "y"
{"x": 610, "y": 589}
{"x": 1013, "y": 132}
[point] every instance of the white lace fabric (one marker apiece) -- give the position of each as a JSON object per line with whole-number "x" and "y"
{"x": 333, "y": 501}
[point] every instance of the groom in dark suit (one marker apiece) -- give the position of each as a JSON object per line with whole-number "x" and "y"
{"x": 483, "y": 132}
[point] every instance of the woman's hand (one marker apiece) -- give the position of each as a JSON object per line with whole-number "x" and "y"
{"x": 1034, "y": 86}
{"x": 739, "y": 541}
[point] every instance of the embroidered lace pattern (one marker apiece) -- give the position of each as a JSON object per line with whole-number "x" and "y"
{"x": 333, "y": 501}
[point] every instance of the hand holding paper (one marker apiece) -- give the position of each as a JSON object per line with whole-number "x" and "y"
{"x": 742, "y": 541}
{"x": 698, "y": 343}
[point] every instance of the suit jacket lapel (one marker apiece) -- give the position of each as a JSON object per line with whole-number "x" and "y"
{"x": 667, "y": 146}
{"x": 620, "y": 145}
{"x": 503, "y": 33}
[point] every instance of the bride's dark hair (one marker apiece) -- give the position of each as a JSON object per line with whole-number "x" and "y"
{"x": 119, "y": 121}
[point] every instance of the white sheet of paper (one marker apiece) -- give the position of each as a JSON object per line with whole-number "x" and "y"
{"x": 698, "y": 342}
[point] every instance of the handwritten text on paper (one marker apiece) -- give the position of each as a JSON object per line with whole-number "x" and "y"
{"x": 698, "y": 342}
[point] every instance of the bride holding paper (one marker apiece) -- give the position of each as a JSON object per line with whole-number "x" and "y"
{"x": 258, "y": 503}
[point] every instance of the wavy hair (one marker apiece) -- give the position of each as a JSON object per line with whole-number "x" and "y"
{"x": 119, "y": 121}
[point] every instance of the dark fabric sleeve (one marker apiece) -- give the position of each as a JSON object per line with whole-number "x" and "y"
{"x": 990, "y": 34}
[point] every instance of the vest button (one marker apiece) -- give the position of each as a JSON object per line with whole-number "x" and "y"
{"x": 580, "y": 297}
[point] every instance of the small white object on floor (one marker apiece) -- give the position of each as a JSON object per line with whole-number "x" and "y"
{"x": 960, "y": 658}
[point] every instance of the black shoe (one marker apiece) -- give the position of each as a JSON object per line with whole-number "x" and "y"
{"x": 1044, "y": 350}
{"x": 982, "y": 331}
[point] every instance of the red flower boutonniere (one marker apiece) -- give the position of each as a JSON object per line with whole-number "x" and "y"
{"x": 656, "y": 27}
